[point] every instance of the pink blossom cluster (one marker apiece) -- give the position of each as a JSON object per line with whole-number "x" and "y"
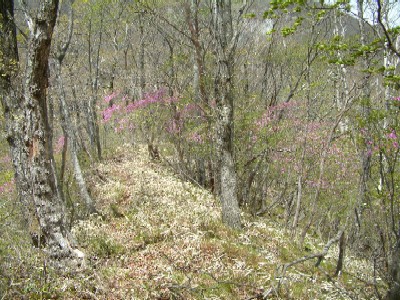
{"x": 140, "y": 104}
{"x": 149, "y": 98}
{"x": 191, "y": 108}
{"x": 109, "y": 111}
{"x": 189, "y": 112}
{"x": 392, "y": 140}
{"x": 392, "y": 136}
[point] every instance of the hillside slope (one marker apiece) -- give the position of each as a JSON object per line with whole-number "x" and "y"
{"x": 161, "y": 238}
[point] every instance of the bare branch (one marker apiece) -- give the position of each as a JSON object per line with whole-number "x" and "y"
{"x": 389, "y": 42}
{"x": 63, "y": 49}
{"x": 320, "y": 255}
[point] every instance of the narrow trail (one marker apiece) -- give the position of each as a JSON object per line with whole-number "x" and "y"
{"x": 162, "y": 238}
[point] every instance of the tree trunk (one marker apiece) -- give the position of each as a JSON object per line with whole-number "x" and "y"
{"x": 225, "y": 44}
{"x": 366, "y": 149}
{"x": 341, "y": 85}
{"x": 341, "y": 258}
{"x": 29, "y": 138}
{"x": 142, "y": 79}
{"x": 11, "y": 99}
{"x": 93, "y": 126}
{"x": 69, "y": 126}
{"x": 198, "y": 73}
{"x": 394, "y": 291}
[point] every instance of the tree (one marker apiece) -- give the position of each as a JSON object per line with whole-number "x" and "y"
{"x": 28, "y": 129}
{"x": 69, "y": 127}
{"x": 225, "y": 42}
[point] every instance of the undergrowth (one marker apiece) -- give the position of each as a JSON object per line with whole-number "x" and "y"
{"x": 159, "y": 237}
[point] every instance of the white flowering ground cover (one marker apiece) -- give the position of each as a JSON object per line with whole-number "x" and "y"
{"x": 161, "y": 238}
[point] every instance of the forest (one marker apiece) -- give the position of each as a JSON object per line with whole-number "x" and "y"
{"x": 200, "y": 149}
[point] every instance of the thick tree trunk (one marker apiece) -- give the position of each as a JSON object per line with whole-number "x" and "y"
{"x": 11, "y": 101}
{"x": 29, "y": 138}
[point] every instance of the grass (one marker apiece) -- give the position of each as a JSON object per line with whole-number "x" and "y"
{"x": 162, "y": 238}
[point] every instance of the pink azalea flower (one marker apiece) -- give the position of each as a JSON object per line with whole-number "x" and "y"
{"x": 392, "y": 135}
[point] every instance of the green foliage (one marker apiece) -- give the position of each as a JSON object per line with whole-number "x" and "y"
{"x": 342, "y": 51}
{"x": 103, "y": 247}
{"x": 278, "y": 7}
{"x": 249, "y": 16}
{"x": 291, "y": 30}
{"x": 6, "y": 176}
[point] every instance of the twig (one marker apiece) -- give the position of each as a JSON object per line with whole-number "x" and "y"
{"x": 321, "y": 255}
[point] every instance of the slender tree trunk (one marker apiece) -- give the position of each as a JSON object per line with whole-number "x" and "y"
{"x": 142, "y": 79}
{"x": 225, "y": 44}
{"x": 366, "y": 150}
{"x": 191, "y": 11}
{"x": 79, "y": 120}
{"x": 80, "y": 180}
{"x": 67, "y": 124}
{"x": 93, "y": 125}
{"x": 324, "y": 154}
{"x": 341, "y": 86}
{"x": 63, "y": 157}
{"x": 341, "y": 257}
{"x": 391, "y": 61}
{"x": 298, "y": 204}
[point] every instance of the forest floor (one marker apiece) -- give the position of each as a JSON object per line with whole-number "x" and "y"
{"x": 161, "y": 238}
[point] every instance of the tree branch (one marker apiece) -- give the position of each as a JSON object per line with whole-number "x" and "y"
{"x": 320, "y": 255}
{"x": 389, "y": 42}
